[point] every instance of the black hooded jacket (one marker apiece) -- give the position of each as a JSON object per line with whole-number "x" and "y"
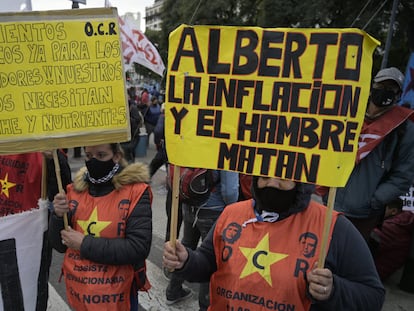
{"x": 135, "y": 247}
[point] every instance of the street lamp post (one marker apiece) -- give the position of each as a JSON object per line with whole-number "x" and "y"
{"x": 75, "y": 3}
{"x": 390, "y": 34}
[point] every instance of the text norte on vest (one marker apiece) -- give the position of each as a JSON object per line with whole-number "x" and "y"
{"x": 274, "y": 127}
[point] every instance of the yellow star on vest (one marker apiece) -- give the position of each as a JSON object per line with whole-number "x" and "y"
{"x": 259, "y": 259}
{"x": 6, "y": 185}
{"x": 93, "y": 226}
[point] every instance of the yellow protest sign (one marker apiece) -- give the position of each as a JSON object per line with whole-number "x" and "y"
{"x": 61, "y": 80}
{"x": 277, "y": 102}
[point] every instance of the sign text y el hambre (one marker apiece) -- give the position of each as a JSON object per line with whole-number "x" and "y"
{"x": 278, "y": 102}
{"x": 61, "y": 80}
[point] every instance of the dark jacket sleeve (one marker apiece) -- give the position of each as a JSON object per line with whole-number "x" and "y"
{"x": 135, "y": 119}
{"x": 159, "y": 129}
{"x": 65, "y": 175}
{"x": 401, "y": 174}
{"x": 55, "y": 226}
{"x": 356, "y": 282}
{"x": 132, "y": 249}
{"x": 204, "y": 257}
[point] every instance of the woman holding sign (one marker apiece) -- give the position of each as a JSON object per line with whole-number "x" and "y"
{"x": 109, "y": 233}
{"x": 262, "y": 254}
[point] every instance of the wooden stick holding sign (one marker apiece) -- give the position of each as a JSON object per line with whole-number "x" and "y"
{"x": 174, "y": 205}
{"x": 60, "y": 186}
{"x": 327, "y": 226}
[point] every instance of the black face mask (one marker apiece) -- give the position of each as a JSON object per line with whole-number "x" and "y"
{"x": 99, "y": 169}
{"x": 274, "y": 200}
{"x": 382, "y": 97}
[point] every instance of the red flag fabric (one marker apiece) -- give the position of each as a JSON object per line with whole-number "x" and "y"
{"x": 372, "y": 133}
{"x": 20, "y": 179}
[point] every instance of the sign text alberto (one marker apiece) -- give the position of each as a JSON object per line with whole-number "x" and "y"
{"x": 276, "y": 102}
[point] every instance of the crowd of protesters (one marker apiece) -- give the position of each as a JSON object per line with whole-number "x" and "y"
{"x": 265, "y": 244}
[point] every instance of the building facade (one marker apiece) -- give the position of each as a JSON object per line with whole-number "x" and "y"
{"x": 133, "y": 18}
{"x": 153, "y": 17}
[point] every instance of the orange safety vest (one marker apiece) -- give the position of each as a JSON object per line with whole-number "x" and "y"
{"x": 262, "y": 265}
{"x": 91, "y": 285}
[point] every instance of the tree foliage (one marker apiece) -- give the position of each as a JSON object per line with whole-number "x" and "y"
{"x": 373, "y": 16}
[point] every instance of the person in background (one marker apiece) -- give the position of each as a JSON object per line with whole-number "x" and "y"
{"x": 154, "y": 91}
{"x": 52, "y": 190}
{"x": 197, "y": 221}
{"x": 384, "y": 167}
{"x": 77, "y": 152}
{"x": 133, "y": 94}
{"x": 391, "y": 241}
{"x": 22, "y": 178}
{"x": 142, "y": 106}
{"x": 245, "y": 187}
{"x": 151, "y": 116}
{"x": 145, "y": 97}
{"x": 158, "y": 161}
{"x": 265, "y": 257}
{"x": 136, "y": 122}
{"x": 160, "y": 157}
{"x": 110, "y": 230}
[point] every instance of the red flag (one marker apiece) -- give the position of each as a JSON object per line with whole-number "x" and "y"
{"x": 20, "y": 179}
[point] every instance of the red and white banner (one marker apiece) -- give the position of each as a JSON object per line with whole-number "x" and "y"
{"x": 136, "y": 48}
